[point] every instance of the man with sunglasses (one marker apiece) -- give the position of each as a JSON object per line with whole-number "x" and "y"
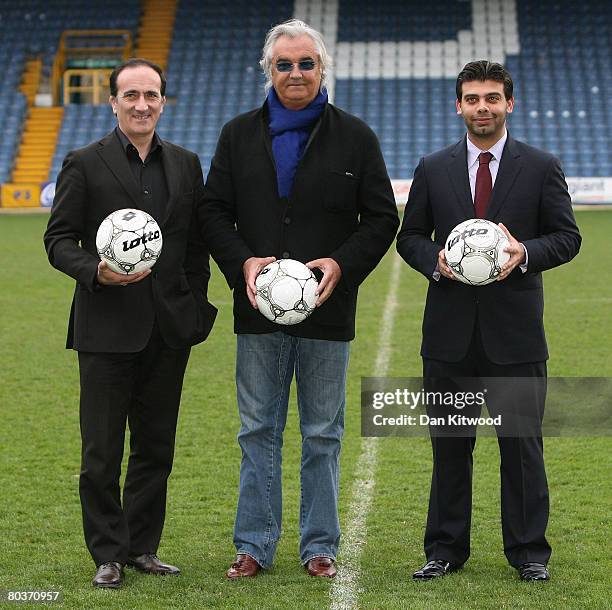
{"x": 297, "y": 178}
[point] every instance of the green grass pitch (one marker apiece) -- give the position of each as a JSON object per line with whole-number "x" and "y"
{"x": 41, "y": 544}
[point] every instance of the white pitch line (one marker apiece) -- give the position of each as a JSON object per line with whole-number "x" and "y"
{"x": 344, "y": 591}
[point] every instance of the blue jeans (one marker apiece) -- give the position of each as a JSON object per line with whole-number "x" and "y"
{"x": 265, "y": 365}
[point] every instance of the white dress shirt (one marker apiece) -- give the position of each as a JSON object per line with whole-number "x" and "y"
{"x": 472, "y": 160}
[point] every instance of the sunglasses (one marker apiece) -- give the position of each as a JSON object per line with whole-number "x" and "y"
{"x": 303, "y": 66}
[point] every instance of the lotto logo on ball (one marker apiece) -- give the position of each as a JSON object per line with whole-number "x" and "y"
{"x": 286, "y": 291}
{"x": 475, "y": 251}
{"x": 137, "y": 241}
{"x": 129, "y": 240}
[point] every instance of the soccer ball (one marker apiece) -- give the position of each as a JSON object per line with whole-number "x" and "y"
{"x": 129, "y": 241}
{"x": 286, "y": 291}
{"x": 475, "y": 251}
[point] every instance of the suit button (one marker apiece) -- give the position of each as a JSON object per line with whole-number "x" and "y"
{"x": 287, "y": 220}
{"x": 286, "y": 254}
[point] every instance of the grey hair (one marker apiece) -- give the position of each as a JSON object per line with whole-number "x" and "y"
{"x": 293, "y": 28}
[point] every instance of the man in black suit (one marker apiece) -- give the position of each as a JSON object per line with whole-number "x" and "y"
{"x": 133, "y": 333}
{"x": 488, "y": 331}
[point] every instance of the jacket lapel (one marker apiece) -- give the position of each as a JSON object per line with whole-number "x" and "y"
{"x": 113, "y": 155}
{"x": 172, "y": 169}
{"x": 509, "y": 169}
{"x": 458, "y": 173}
{"x": 265, "y": 132}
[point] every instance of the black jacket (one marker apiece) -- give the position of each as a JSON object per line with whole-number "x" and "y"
{"x": 95, "y": 181}
{"x": 341, "y": 206}
{"x": 530, "y": 198}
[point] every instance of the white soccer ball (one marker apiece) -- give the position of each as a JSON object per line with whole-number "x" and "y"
{"x": 475, "y": 251}
{"x": 129, "y": 240}
{"x": 286, "y": 291}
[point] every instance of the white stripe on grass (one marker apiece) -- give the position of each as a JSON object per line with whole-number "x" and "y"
{"x": 345, "y": 588}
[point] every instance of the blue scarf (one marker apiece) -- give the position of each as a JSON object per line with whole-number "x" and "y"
{"x": 290, "y": 130}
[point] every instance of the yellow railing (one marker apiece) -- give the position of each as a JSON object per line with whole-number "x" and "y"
{"x": 90, "y": 85}
{"x": 88, "y": 50}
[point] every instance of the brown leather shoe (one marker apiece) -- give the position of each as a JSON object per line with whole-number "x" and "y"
{"x": 321, "y": 566}
{"x": 244, "y": 565}
{"x": 109, "y": 575}
{"x": 149, "y": 563}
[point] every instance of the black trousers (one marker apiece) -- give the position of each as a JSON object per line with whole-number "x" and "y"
{"x": 524, "y": 488}
{"x": 144, "y": 390}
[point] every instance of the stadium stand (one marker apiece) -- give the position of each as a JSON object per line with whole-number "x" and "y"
{"x": 564, "y": 82}
{"x": 213, "y": 74}
{"x": 32, "y": 28}
{"x": 395, "y": 66}
{"x": 213, "y": 71}
{"x": 396, "y": 69}
{"x": 12, "y": 113}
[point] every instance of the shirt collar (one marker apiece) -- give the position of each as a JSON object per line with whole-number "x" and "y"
{"x": 496, "y": 150}
{"x": 125, "y": 142}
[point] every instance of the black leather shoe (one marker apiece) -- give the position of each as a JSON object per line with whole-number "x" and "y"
{"x": 109, "y": 575}
{"x": 149, "y": 563}
{"x": 533, "y": 571}
{"x": 433, "y": 569}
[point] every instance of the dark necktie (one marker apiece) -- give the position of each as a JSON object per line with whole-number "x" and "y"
{"x": 484, "y": 185}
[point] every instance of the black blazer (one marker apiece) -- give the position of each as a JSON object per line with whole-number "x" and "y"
{"x": 341, "y": 206}
{"x": 530, "y": 197}
{"x": 95, "y": 181}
